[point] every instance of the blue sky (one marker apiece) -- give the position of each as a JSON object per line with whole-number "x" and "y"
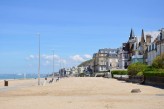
{"x": 74, "y": 29}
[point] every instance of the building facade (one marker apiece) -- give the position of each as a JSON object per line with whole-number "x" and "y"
{"x": 123, "y": 57}
{"x": 160, "y": 43}
{"x": 141, "y": 49}
{"x": 152, "y": 53}
{"x": 105, "y": 59}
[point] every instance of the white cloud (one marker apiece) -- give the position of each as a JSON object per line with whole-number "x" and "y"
{"x": 47, "y": 59}
{"x": 31, "y": 57}
{"x": 63, "y": 61}
{"x": 47, "y": 62}
{"x": 50, "y": 57}
{"x": 77, "y": 58}
{"x": 87, "y": 56}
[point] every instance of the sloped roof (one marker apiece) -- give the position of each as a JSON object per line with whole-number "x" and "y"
{"x": 112, "y": 55}
{"x": 108, "y": 50}
{"x": 138, "y": 39}
{"x": 131, "y": 34}
{"x": 153, "y": 34}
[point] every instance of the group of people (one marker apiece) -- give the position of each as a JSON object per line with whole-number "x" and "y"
{"x": 53, "y": 80}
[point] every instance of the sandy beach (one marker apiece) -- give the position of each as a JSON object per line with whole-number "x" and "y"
{"x": 79, "y": 93}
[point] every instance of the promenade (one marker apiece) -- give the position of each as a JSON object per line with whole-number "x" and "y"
{"x": 81, "y": 93}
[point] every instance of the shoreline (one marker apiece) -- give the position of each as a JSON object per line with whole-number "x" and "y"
{"x": 16, "y": 82}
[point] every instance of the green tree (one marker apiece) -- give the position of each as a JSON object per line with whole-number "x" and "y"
{"x": 158, "y": 62}
{"x": 135, "y": 68}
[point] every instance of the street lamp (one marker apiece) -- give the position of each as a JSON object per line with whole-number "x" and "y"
{"x": 39, "y": 60}
{"x": 53, "y": 64}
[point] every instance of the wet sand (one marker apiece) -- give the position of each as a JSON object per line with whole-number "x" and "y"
{"x": 80, "y": 93}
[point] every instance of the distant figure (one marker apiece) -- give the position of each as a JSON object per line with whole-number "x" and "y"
{"x": 57, "y": 79}
{"x": 51, "y": 80}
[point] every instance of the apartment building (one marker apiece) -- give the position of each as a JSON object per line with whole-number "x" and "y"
{"x": 105, "y": 59}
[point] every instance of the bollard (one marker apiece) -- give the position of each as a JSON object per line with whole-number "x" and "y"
{"x": 5, "y": 83}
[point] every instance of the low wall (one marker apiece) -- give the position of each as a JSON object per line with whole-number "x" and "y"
{"x": 121, "y": 77}
{"x": 155, "y": 81}
{"x": 99, "y": 74}
{"x": 137, "y": 79}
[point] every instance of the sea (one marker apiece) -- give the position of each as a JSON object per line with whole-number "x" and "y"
{"x": 20, "y": 76}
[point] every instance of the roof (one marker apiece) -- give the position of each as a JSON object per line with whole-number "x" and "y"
{"x": 112, "y": 55}
{"x": 131, "y": 34}
{"x": 108, "y": 50}
{"x": 153, "y": 34}
{"x": 138, "y": 39}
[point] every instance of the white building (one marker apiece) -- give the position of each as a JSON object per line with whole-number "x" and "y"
{"x": 152, "y": 53}
{"x": 153, "y": 48}
{"x": 105, "y": 59}
{"x": 160, "y": 43}
{"x": 123, "y": 56}
{"x": 81, "y": 69}
{"x": 74, "y": 71}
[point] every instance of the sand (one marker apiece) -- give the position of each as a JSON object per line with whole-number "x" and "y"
{"x": 79, "y": 93}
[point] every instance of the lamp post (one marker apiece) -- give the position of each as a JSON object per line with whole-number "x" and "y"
{"x": 53, "y": 64}
{"x": 39, "y": 60}
{"x": 160, "y": 42}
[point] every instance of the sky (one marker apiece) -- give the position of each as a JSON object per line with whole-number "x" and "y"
{"x": 73, "y": 29}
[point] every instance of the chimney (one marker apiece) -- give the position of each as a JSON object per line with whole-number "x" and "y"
{"x": 148, "y": 39}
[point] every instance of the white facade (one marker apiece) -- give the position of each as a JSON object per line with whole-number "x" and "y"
{"x": 151, "y": 53}
{"x": 160, "y": 48}
{"x": 151, "y": 57}
{"x": 122, "y": 59}
{"x": 81, "y": 70}
{"x": 156, "y": 48}
{"x": 105, "y": 59}
{"x": 102, "y": 68}
{"x": 68, "y": 71}
{"x": 74, "y": 71}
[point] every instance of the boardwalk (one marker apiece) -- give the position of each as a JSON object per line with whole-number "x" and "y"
{"x": 83, "y": 93}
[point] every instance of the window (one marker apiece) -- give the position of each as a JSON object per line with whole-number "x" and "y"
{"x": 101, "y": 67}
{"x": 152, "y": 46}
{"x": 125, "y": 65}
{"x": 126, "y": 56}
{"x": 160, "y": 36}
{"x": 134, "y": 47}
